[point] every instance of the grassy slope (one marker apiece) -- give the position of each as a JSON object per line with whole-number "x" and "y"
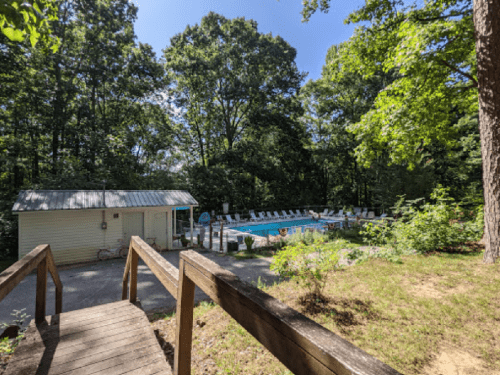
{"x": 400, "y": 313}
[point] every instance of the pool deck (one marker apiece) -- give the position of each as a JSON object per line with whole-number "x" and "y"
{"x": 231, "y": 234}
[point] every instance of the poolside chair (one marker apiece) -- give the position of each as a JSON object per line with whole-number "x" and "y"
{"x": 230, "y": 219}
{"x": 253, "y": 217}
{"x": 269, "y": 216}
{"x": 292, "y": 214}
{"x": 262, "y": 216}
{"x": 285, "y": 215}
{"x": 239, "y": 219}
{"x": 299, "y": 213}
{"x": 363, "y": 214}
{"x": 325, "y": 212}
{"x": 349, "y": 213}
{"x": 277, "y": 215}
{"x": 340, "y": 213}
{"x": 371, "y": 215}
{"x": 330, "y": 214}
{"x": 383, "y": 215}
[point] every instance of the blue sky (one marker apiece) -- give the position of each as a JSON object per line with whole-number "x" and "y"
{"x": 159, "y": 20}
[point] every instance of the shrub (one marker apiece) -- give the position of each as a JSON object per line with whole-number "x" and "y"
{"x": 432, "y": 227}
{"x": 249, "y": 242}
{"x": 309, "y": 264}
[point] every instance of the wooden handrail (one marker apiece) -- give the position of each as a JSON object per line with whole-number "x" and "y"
{"x": 40, "y": 258}
{"x": 163, "y": 270}
{"x": 302, "y": 345}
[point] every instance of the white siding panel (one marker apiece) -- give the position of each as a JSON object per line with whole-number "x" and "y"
{"x": 159, "y": 228}
{"x": 74, "y": 236}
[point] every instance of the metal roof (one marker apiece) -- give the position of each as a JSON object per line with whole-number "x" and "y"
{"x": 47, "y": 200}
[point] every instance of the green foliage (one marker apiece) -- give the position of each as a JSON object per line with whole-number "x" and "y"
{"x": 306, "y": 238}
{"x": 19, "y": 19}
{"x": 430, "y": 49}
{"x": 433, "y": 226}
{"x": 309, "y": 264}
{"x": 249, "y": 242}
{"x": 7, "y": 346}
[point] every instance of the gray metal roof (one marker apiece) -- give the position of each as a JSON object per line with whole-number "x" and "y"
{"x": 47, "y": 200}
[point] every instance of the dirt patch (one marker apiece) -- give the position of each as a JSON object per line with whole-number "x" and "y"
{"x": 453, "y": 361}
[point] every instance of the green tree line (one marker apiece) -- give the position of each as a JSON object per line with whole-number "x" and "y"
{"x": 225, "y": 114}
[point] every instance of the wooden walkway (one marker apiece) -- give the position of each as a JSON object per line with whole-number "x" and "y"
{"x": 110, "y": 339}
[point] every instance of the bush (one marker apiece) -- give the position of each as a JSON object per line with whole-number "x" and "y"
{"x": 309, "y": 264}
{"x": 434, "y": 226}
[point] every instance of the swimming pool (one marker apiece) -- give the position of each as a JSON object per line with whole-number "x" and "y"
{"x": 272, "y": 228}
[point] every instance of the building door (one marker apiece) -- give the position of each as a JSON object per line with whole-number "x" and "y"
{"x": 133, "y": 225}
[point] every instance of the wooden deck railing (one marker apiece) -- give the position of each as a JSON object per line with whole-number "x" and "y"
{"x": 301, "y": 344}
{"x": 40, "y": 258}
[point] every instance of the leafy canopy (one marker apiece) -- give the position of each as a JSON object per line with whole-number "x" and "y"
{"x": 431, "y": 51}
{"x": 19, "y": 19}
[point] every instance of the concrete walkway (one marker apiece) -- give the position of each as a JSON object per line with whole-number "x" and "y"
{"x": 100, "y": 283}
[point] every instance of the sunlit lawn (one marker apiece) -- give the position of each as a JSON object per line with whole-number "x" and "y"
{"x": 403, "y": 314}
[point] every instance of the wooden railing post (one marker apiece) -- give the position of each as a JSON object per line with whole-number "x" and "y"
{"x": 41, "y": 291}
{"x": 134, "y": 260}
{"x": 184, "y": 327}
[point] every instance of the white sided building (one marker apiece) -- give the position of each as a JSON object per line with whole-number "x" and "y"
{"x": 77, "y": 223}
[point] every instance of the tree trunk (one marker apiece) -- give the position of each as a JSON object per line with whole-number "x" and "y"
{"x": 487, "y": 34}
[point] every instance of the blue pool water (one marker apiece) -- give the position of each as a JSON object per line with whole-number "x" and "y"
{"x": 272, "y": 228}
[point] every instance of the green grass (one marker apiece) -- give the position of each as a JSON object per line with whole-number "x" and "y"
{"x": 404, "y": 314}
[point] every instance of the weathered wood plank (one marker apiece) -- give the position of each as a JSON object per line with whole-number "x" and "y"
{"x": 126, "y": 272}
{"x": 18, "y": 271}
{"x": 166, "y": 273}
{"x": 134, "y": 260}
{"x": 92, "y": 328}
{"x": 184, "y": 328}
{"x": 79, "y": 314}
{"x": 304, "y": 346}
{"x": 41, "y": 291}
{"x": 59, "y": 366}
{"x": 123, "y": 347}
{"x": 120, "y": 364}
{"x": 85, "y": 345}
{"x": 51, "y": 264}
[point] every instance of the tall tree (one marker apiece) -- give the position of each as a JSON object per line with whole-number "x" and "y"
{"x": 431, "y": 46}
{"x": 487, "y": 33}
{"x": 222, "y": 72}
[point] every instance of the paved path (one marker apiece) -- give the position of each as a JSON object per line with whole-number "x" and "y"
{"x": 100, "y": 283}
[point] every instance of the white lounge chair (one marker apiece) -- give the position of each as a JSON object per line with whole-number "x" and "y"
{"x": 383, "y": 215}
{"x": 285, "y": 215}
{"x": 340, "y": 213}
{"x": 262, "y": 216}
{"x": 253, "y": 217}
{"x": 325, "y": 212}
{"x": 330, "y": 214}
{"x": 230, "y": 219}
{"x": 371, "y": 215}
{"x": 363, "y": 214}
{"x": 299, "y": 214}
{"x": 277, "y": 215}
{"x": 292, "y": 214}
{"x": 269, "y": 216}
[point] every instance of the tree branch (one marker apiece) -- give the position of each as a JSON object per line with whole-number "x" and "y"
{"x": 455, "y": 69}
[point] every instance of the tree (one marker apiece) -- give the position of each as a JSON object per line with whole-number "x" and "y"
{"x": 431, "y": 48}
{"x": 222, "y": 72}
{"x": 487, "y": 33}
{"x": 21, "y": 18}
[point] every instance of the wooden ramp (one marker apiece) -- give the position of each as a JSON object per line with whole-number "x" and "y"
{"x": 110, "y": 339}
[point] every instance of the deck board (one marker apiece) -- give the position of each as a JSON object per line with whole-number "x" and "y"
{"x": 111, "y": 339}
